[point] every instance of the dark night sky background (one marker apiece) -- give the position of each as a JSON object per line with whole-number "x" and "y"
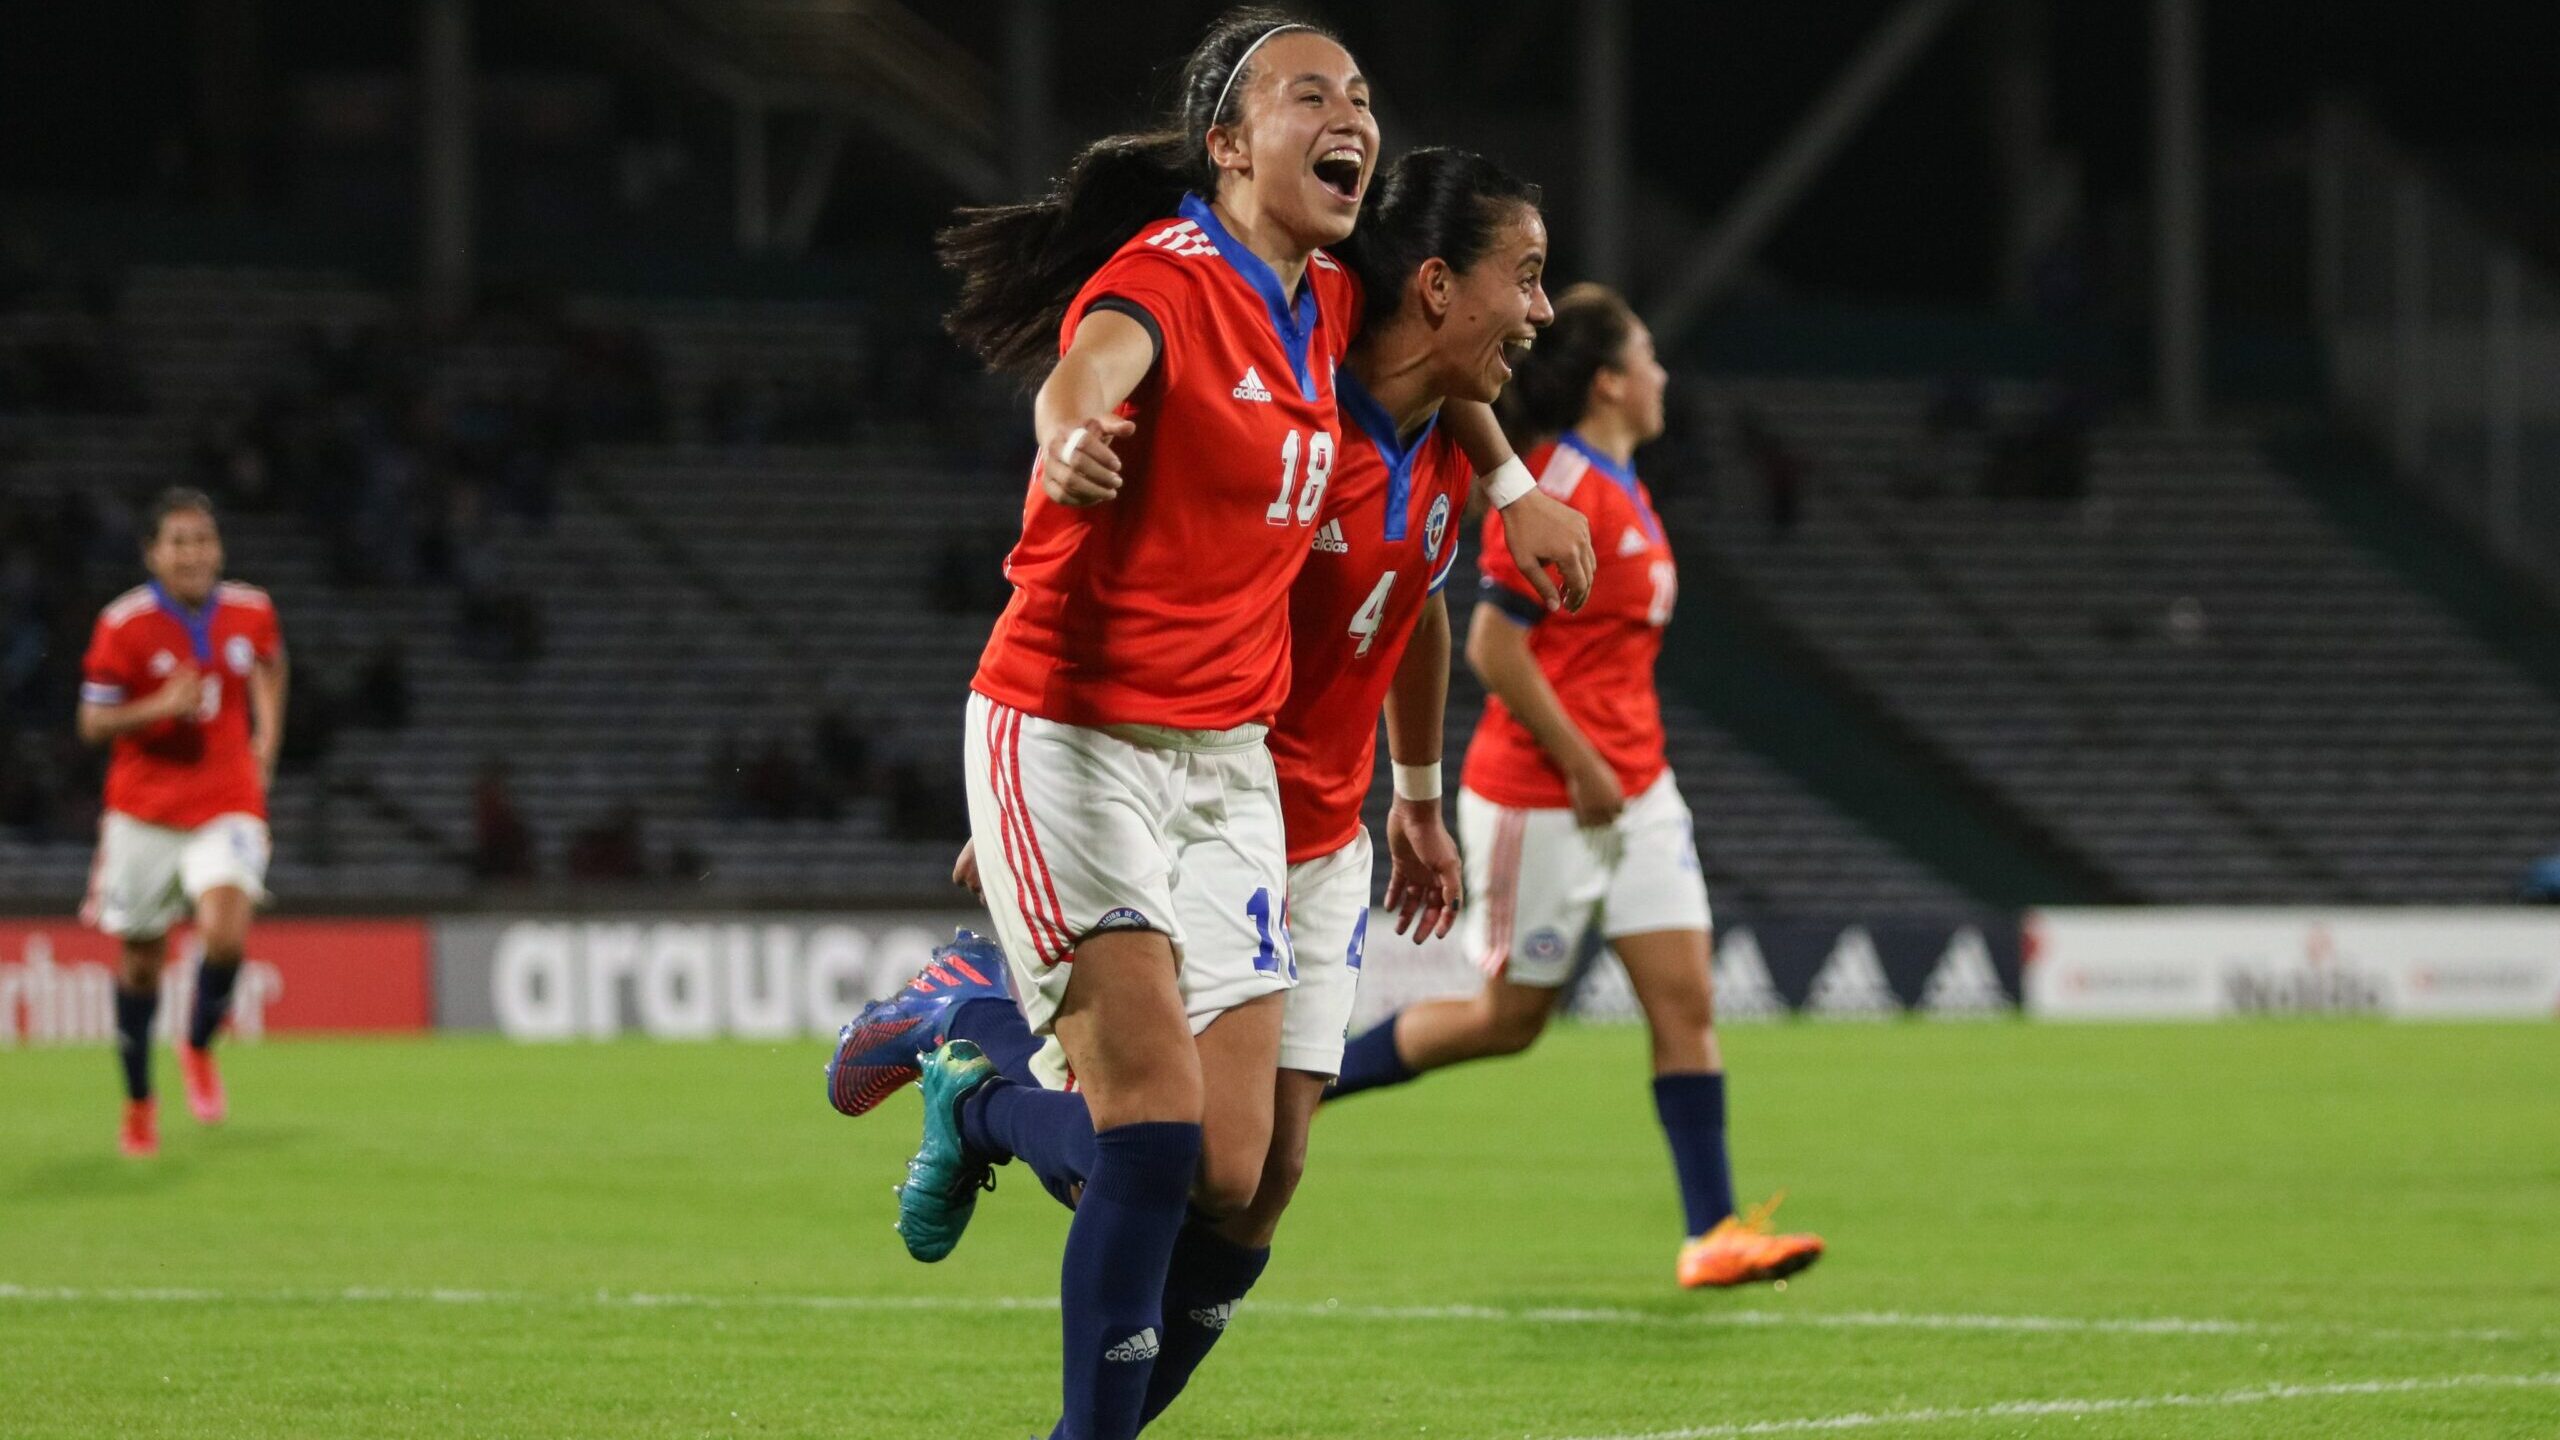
{"x": 94, "y": 98}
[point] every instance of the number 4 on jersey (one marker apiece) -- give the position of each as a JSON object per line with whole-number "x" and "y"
{"x": 1372, "y": 610}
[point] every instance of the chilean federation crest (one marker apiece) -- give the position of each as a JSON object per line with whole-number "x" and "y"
{"x": 1435, "y": 527}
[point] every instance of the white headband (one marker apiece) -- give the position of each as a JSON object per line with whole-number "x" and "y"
{"x": 1221, "y": 107}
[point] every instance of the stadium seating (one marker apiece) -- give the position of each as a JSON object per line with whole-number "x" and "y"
{"x": 696, "y": 597}
{"x": 2181, "y": 667}
{"x": 2186, "y": 670}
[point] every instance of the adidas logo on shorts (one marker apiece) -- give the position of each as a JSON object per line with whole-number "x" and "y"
{"x": 1252, "y": 388}
{"x": 1632, "y": 542}
{"x": 1141, "y": 1346}
{"x": 1214, "y": 1317}
{"x": 1329, "y": 539}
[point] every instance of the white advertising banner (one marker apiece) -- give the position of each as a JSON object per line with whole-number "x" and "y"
{"x": 2196, "y": 964}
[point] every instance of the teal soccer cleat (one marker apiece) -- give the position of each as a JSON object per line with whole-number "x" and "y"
{"x": 944, "y": 1179}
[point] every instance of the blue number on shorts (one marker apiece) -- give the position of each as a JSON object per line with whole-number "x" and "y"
{"x": 1359, "y": 939}
{"x": 1259, "y": 907}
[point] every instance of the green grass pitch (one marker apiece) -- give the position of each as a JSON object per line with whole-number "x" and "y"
{"x": 2309, "y": 1229}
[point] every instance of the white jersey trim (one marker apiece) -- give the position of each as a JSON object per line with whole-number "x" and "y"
{"x": 1564, "y": 472}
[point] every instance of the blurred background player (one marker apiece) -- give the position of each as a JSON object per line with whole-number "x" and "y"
{"x": 1568, "y": 811}
{"x": 185, "y": 679}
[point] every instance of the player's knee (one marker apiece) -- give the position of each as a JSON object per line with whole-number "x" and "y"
{"x": 1684, "y": 1015}
{"x": 222, "y": 918}
{"x": 1227, "y": 1185}
{"x": 1280, "y": 1183}
{"x": 1146, "y": 1092}
{"x": 139, "y": 970}
{"x": 1513, "y": 1031}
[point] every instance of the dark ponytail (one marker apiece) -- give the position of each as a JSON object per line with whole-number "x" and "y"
{"x": 1552, "y": 387}
{"x": 1433, "y": 201}
{"x": 1019, "y": 265}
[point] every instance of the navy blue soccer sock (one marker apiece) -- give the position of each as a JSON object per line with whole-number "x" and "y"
{"x": 997, "y": 1027}
{"x": 1049, "y": 1130}
{"x": 214, "y": 984}
{"x": 1207, "y": 1280}
{"x": 134, "y": 1014}
{"x": 1692, "y": 1110}
{"x": 1111, "y": 1289}
{"x": 1370, "y": 1060}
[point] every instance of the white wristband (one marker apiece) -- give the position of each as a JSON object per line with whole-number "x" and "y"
{"x": 1508, "y": 483}
{"x": 1418, "y": 782}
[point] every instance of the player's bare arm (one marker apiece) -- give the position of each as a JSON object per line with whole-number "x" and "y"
{"x": 1498, "y": 651}
{"x": 1539, "y": 529}
{"x": 1075, "y": 414}
{"x": 1422, "y": 871}
{"x": 269, "y": 681}
{"x": 179, "y": 697}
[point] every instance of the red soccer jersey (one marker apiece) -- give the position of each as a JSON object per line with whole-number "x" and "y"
{"x": 1600, "y": 658}
{"x": 182, "y": 773}
{"x": 1387, "y": 543}
{"x": 1169, "y": 604}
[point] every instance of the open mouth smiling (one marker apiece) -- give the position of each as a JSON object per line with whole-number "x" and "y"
{"x": 1339, "y": 169}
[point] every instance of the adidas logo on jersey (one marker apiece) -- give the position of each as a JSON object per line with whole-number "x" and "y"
{"x": 1141, "y": 1346}
{"x": 1632, "y": 542}
{"x": 1329, "y": 539}
{"x": 1252, "y": 388}
{"x": 1214, "y": 1317}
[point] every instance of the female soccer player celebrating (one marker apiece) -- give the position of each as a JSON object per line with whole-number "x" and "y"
{"x": 1451, "y": 254}
{"x": 1123, "y": 809}
{"x": 1568, "y": 810}
{"x": 1451, "y": 257}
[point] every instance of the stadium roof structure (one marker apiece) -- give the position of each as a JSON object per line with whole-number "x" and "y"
{"x": 870, "y": 64}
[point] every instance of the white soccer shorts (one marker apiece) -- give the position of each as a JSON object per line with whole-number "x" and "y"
{"x": 1537, "y": 882}
{"x": 1329, "y": 925}
{"x": 148, "y": 877}
{"x": 1081, "y": 831}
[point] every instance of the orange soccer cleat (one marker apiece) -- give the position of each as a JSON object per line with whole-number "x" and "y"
{"x": 204, "y": 1084}
{"x": 141, "y": 1135}
{"x": 1741, "y": 1251}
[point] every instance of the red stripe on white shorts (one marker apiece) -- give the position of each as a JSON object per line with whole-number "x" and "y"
{"x": 1502, "y": 904}
{"x": 1034, "y": 878}
{"x": 1044, "y": 939}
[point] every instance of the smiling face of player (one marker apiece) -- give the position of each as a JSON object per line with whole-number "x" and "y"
{"x": 1491, "y": 312}
{"x": 186, "y": 555}
{"x": 1303, "y": 144}
{"x": 1630, "y": 388}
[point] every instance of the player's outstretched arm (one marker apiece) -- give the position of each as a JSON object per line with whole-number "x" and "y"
{"x": 1540, "y": 530}
{"x": 1075, "y": 414}
{"x": 1422, "y": 860}
{"x": 101, "y": 723}
{"x": 1498, "y": 651}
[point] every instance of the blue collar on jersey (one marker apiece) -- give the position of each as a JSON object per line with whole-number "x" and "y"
{"x": 197, "y": 623}
{"x": 1372, "y": 417}
{"x": 1296, "y": 330}
{"x": 1625, "y": 474}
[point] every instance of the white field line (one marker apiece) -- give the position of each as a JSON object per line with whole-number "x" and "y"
{"x": 1327, "y": 1310}
{"x": 2114, "y": 1405}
